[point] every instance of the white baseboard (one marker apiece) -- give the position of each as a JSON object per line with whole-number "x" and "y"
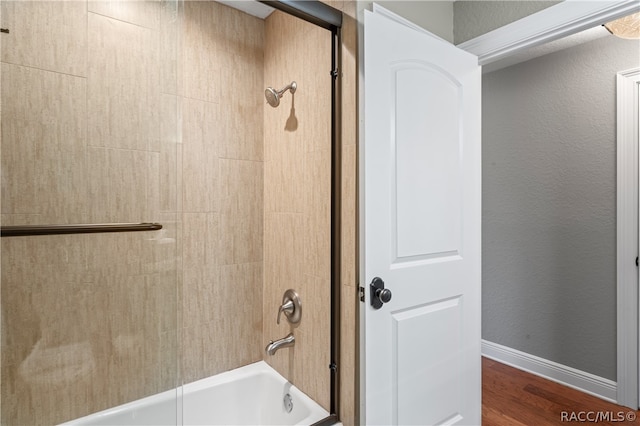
{"x": 568, "y": 376}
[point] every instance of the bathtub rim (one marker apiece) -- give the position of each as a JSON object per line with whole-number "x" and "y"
{"x": 178, "y": 393}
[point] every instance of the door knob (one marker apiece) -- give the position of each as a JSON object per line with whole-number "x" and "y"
{"x": 379, "y": 294}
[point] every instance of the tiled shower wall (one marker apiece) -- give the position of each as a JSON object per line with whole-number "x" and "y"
{"x": 127, "y": 112}
{"x": 88, "y": 321}
{"x": 297, "y": 189}
{"x": 140, "y": 111}
{"x": 118, "y": 112}
{"x": 222, "y": 187}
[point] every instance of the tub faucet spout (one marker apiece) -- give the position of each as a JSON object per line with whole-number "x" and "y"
{"x": 273, "y": 347}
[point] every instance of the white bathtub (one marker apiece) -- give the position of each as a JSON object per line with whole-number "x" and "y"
{"x": 250, "y": 395}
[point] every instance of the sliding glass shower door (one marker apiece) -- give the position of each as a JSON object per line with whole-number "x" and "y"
{"x": 89, "y": 137}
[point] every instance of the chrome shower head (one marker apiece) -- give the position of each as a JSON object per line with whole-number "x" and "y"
{"x": 273, "y": 96}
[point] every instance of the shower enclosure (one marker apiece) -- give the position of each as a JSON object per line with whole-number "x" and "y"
{"x": 155, "y": 208}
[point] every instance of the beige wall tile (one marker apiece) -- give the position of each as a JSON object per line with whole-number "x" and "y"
{"x": 283, "y": 256}
{"x": 214, "y": 138}
{"x": 171, "y": 349}
{"x": 179, "y": 179}
{"x": 336, "y": 4}
{"x": 220, "y": 125}
{"x": 145, "y": 13}
{"x": 153, "y": 185}
{"x": 171, "y": 39}
{"x": 50, "y": 35}
{"x": 317, "y": 212}
{"x": 350, "y": 9}
{"x": 284, "y": 179}
{"x": 199, "y": 287}
{"x": 242, "y": 106}
{"x": 55, "y": 255}
{"x": 349, "y": 81}
{"x": 103, "y": 305}
{"x": 201, "y": 71}
{"x": 298, "y": 199}
{"x": 283, "y": 263}
{"x": 349, "y": 245}
{"x": 349, "y": 296}
{"x": 170, "y": 136}
{"x": 282, "y": 34}
{"x": 161, "y": 303}
{"x": 200, "y": 164}
{"x": 43, "y": 142}
{"x": 123, "y": 95}
{"x": 313, "y": 364}
{"x": 118, "y": 183}
{"x": 127, "y": 254}
{"x": 54, "y": 403}
{"x": 201, "y": 354}
{"x": 284, "y": 153}
{"x": 313, "y": 101}
{"x": 349, "y": 242}
{"x": 201, "y": 240}
{"x": 165, "y": 246}
{"x": 21, "y": 219}
{"x": 200, "y": 121}
{"x": 233, "y": 337}
{"x": 241, "y": 288}
{"x": 306, "y": 363}
{"x": 97, "y": 167}
{"x": 348, "y": 354}
{"x": 241, "y": 211}
{"x": 61, "y": 317}
{"x": 238, "y": 32}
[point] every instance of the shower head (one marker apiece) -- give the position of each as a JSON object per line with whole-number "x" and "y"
{"x": 273, "y": 96}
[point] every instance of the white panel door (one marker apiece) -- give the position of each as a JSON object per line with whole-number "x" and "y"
{"x": 421, "y": 236}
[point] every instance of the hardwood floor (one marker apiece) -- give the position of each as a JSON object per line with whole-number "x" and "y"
{"x": 511, "y": 397}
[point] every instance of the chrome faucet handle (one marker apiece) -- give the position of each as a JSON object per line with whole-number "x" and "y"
{"x": 287, "y": 308}
{"x": 291, "y": 306}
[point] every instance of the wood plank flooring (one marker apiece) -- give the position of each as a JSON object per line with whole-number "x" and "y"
{"x": 511, "y": 397}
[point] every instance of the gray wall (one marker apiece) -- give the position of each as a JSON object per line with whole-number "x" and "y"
{"x": 549, "y": 193}
{"x": 434, "y": 16}
{"x": 474, "y": 18}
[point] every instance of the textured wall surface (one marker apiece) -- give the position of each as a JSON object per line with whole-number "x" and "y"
{"x": 472, "y": 18}
{"x": 434, "y": 16}
{"x": 128, "y": 113}
{"x": 221, "y": 173}
{"x": 297, "y": 193}
{"x": 154, "y": 112}
{"x": 549, "y": 185}
{"x": 87, "y": 136}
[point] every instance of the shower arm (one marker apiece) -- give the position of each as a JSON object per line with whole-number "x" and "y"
{"x": 290, "y": 87}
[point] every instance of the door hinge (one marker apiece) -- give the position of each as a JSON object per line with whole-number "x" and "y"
{"x": 636, "y": 260}
{"x": 334, "y": 73}
{"x": 362, "y": 294}
{"x": 333, "y": 367}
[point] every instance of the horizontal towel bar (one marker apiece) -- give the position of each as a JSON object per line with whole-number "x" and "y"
{"x": 83, "y": 228}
